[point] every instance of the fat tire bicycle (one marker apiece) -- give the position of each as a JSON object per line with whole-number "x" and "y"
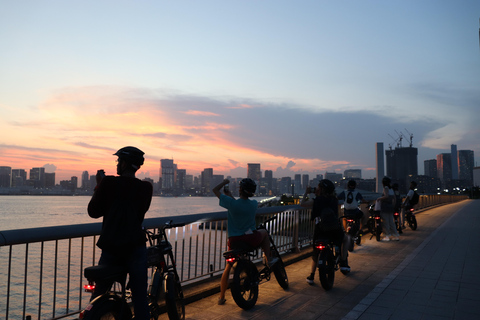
{"x": 246, "y": 276}
{"x": 164, "y": 284}
{"x": 374, "y": 223}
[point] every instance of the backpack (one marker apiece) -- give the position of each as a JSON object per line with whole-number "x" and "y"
{"x": 350, "y": 202}
{"x": 329, "y": 220}
{"x": 415, "y": 198}
{"x": 121, "y": 228}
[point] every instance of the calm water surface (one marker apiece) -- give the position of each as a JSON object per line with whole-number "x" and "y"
{"x": 19, "y": 212}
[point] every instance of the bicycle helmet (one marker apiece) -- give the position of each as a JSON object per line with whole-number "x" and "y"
{"x": 352, "y": 184}
{"x": 327, "y": 185}
{"x": 248, "y": 186}
{"x": 131, "y": 155}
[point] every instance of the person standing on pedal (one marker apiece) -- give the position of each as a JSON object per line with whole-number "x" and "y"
{"x": 325, "y": 201}
{"x": 351, "y": 199}
{"x": 122, "y": 201}
{"x": 387, "y": 201}
{"x": 242, "y": 228}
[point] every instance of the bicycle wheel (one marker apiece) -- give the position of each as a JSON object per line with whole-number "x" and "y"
{"x": 350, "y": 242}
{"x": 245, "y": 284}
{"x": 174, "y": 298}
{"x": 280, "y": 273}
{"x": 111, "y": 307}
{"x": 326, "y": 269}
{"x": 413, "y": 222}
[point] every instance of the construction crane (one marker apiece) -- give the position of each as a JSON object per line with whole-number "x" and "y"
{"x": 400, "y": 138}
{"x": 411, "y": 137}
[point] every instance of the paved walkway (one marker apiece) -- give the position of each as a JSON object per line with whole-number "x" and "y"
{"x": 431, "y": 273}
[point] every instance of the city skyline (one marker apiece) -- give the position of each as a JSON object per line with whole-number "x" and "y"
{"x": 301, "y": 89}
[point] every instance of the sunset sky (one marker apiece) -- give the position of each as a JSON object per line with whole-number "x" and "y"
{"x": 298, "y": 86}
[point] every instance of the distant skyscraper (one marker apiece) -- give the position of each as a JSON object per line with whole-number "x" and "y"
{"x": 5, "y": 177}
{"x": 353, "y": 174}
{"x": 207, "y": 178}
{"x": 380, "y": 160}
{"x": 19, "y": 177}
{"x": 430, "y": 168}
{"x": 50, "y": 179}
{"x": 402, "y": 163}
{"x": 167, "y": 173}
{"x": 444, "y": 167}
{"x": 85, "y": 180}
{"x": 181, "y": 183}
{"x": 37, "y": 176}
{"x": 297, "y": 183}
{"x": 334, "y": 177}
{"x": 454, "y": 159}
{"x": 269, "y": 180}
{"x": 253, "y": 172}
{"x": 305, "y": 181}
{"x": 465, "y": 165}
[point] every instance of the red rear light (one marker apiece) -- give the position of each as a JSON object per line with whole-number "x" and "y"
{"x": 411, "y": 209}
{"x": 377, "y": 217}
{"x": 89, "y": 287}
{"x": 321, "y": 246}
{"x": 350, "y": 220}
{"x": 231, "y": 260}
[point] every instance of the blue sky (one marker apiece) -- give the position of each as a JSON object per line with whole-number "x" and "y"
{"x": 299, "y": 86}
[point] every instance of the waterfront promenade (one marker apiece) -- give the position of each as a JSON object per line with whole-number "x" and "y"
{"x": 431, "y": 273}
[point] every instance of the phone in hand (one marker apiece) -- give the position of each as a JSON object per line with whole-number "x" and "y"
{"x": 226, "y": 188}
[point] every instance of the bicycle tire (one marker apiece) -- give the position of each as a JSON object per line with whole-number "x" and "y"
{"x": 350, "y": 242}
{"x": 371, "y": 226}
{"x": 359, "y": 239}
{"x": 326, "y": 269}
{"x": 245, "y": 284}
{"x": 280, "y": 273}
{"x": 174, "y": 298}
{"x": 109, "y": 307}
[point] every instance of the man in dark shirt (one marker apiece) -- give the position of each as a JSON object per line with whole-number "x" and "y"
{"x": 122, "y": 201}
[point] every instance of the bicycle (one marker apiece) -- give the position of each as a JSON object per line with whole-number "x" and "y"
{"x": 410, "y": 217}
{"x": 164, "y": 284}
{"x": 374, "y": 222}
{"x": 246, "y": 277}
{"x": 328, "y": 260}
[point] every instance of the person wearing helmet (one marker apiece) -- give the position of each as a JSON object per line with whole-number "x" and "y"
{"x": 387, "y": 206}
{"x": 351, "y": 199}
{"x": 122, "y": 201}
{"x": 241, "y": 225}
{"x": 325, "y": 200}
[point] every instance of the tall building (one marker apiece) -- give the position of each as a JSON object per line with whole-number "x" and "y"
{"x": 167, "y": 174}
{"x": 444, "y": 166}
{"x": 305, "y": 181}
{"x": 37, "y": 176}
{"x": 269, "y": 180}
{"x": 19, "y": 177}
{"x": 353, "y": 174}
{"x": 253, "y": 172}
{"x": 5, "y": 177}
{"x": 402, "y": 163}
{"x": 297, "y": 184}
{"x": 380, "y": 161}
{"x": 206, "y": 181}
{"x": 74, "y": 180}
{"x": 181, "y": 184}
{"x": 85, "y": 180}
{"x": 430, "y": 168}
{"x": 336, "y": 178}
{"x": 454, "y": 160}
{"x": 465, "y": 165}
{"x": 49, "y": 179}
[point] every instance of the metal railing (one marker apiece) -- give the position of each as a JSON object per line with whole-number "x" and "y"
{"x": 41, "y": 269}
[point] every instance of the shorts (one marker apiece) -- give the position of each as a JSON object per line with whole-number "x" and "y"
{"x": 252, "y": 240}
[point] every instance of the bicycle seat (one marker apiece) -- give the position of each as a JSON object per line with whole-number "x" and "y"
{"x": 105, "y": 272}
